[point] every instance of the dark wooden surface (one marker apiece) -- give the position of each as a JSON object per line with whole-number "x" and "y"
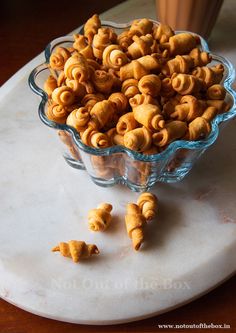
{"x": 25, "y": 28}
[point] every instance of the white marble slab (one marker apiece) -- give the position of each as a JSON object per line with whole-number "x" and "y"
{"x": 189, "y": 249}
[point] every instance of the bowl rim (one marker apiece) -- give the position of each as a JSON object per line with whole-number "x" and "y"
{"x": 173, "y": 146}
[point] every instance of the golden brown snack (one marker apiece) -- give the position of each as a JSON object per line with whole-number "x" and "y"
{"x": 94, "y": 138}
{"x": 147, "y": 203}
{"x": 209, "y": 75}
{"x": 200, "y": 58}
{"x": 76, "y": 68}
{"x": 198, "y": 128}
{"x": 173, "y": 130}
{"x": 181, "y": 43}
{"x": 150, "y": 85}
{"x": 139, "y": 99}
{"x": 120, "y": 102}
{"x": 78, "y": 119}
{"x": 102, "y": 113}
{"x": 63, "y": 95}
{"x": 141, "y": 27}
{"x": 219, "y": 104}
{"x": 57, "y": 113}
{"x": 102, "y": 81}
{"x": 58, "y": 58}
{"x": 139, "y": 139}
{"x": 188, "y": 109}
{"x": 149, "y": 115}
{"x": 162, "y": 32}
{"x": 166, "y": 88}
{"x": 99, "y": 218}
{"x": 76, "y": 250}
{"x": 216, "y": 91}
{"x": 103, "y": 38}
{"x": 90, "y": 100}
{"x": 113, "y": 57}
{"x": 210, "y": 113}
{"x": 141, "y": 46}
{"x": 81, "y": 45}
{"x": 78, "y": 88}
{"x": 126, "y": 123}
{"x": 114, "y": 137}
{"x": 50, "y": 84}
{"x": 91, "y": 27}
{"x": 130, "y": 88}
{"x": 135, "y": 222}
{"x": 125, "y": 39}
{"x": 179, "y": 64}
{"x": 186, "y": 84}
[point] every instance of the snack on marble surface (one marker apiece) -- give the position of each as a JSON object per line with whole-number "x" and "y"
{"x": 77, "y": 250}
{"x": 148, "y": 203}
{"x": 99, "y": 218}
{"x": 135, "y": 222}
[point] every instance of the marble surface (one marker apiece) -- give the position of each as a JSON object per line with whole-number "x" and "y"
{"x": 189, "y": 249}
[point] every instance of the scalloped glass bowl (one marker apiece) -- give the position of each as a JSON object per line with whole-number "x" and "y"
{"x": 118, "y": 164}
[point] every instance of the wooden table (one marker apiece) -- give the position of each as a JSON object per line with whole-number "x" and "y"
{"x": 26, "y": 27}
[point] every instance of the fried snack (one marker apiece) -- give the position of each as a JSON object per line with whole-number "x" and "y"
{"x": 100, "y": 218}
{"x": 188, "y": 109}
{"x": 141, "y": 46}
{"x": 210, "y": 113}
{"x": 91, "y": 27}
{"x": 200, "y": 58}
{"x": 90, "y": 100}
{"x": 138, "y": 68}
{"x": 162, "y": 33}
{"x": 166, "y": 88}
{"x": 76, "y": 250}
{"x": 139, "y": 139}
{"x": 209, "y": 75}
{"x": 81, "y": 45}
{"x": 141, "y": 27}
{"x": 135, "y": 222}
{"x": 49, "y": 85}
{"x": 116, "y": 79}
{"x": 58, "y": 58}
{"x": 125, "y": 39}
{"x": 120, "y": 102}
{"x": 93, "y": 65}
{"x": 181, "y": 43}
{"x": 150, "y": 85}
{"x": 63, "y": 95}
{"x": 114, "y": 137}
{"x": 76, "y": 68}
{"x": 198, "y": 128}
{"x": 126, "y": 123}
{"x": 169, "y": 106}
{"x": 185, "y": 84}
{"x": 61, "y": 79}
{"x": 216, "y": 91}
{"x": 57, "y": 113}
{"x": 103, "y": 38}
{"x": 113, "y": 57}
{"x": 130, "y": 88}
{"x": 150, "y": 116}
{"x": 78, "y": 119}
{"x": 94, "y": 138}
{"x": 173, "y": 130}
{"x": 139, "y": 99}
{"x": 102, "y": 113}
{"x": 179, "y": 64}
{"x": 78, "y": 88}
{"x": 147, "y": 203}
{"x": 102, "y": 81}
{"x": 219, "y": 104}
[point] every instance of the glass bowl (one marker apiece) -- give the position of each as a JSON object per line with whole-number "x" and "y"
{"x": 118, "y": 164}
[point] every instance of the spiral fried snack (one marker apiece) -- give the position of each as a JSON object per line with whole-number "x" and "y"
{"x": 80, "y": 44}
{"x": 120, "y": 102}
{"x": 57, "y": 113}
{"x": 57, "y": 60}
{"x": 185, "y": 84}
{"x": 139, "y": 139}
{"x": 209, "y": 75}
{"x": 78, "y": 119}
{"x": 188, "y": 109}
{"x": 78, "y": 88}
{"x": 139, "y": 99}
{"x": 49, "y": 85}
{"x": 166, "y": 88}
{"x": 125, "y": 40}
{"x": 63, "y": 95}
{"x": 102, "y": 113}
{"x": 138, "y": 68}
{"x": 90, "y": 100}
{"x": 141, "y": 46}
{"x": 76, "y": 68}
{"x": 141, "y": 27}
{"x": 102, "y": 81}
{"x": 216, "y": 91}
{"x": 100, "y": 218}
{"x": 114, "y": 137}
{"x": 181, "y": 43}
{"x": 135, "y": 222}
{"x": 126, "y": 123}
{"x": 93, "y": 138}
{"x": 150, "y": 116}
{"x": 76, "y": 250}
{"x": 150, "y": 85}
{"x": 179, "y": 64}
{"x": 198, "y": 129}
{"x": 114, "y": 57}
{"x": 102, "y": 39}
{"x": 200, "y": 58}
{"x": 147, "y": 203}
{"x": 91, "y": 27}
{"x": 130, "y": 88}
{"x": 162, "y": 33}
{"x": 210, "y": 113}
{"x": 219, "y": 104}
{"x": 173, "y": 130}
